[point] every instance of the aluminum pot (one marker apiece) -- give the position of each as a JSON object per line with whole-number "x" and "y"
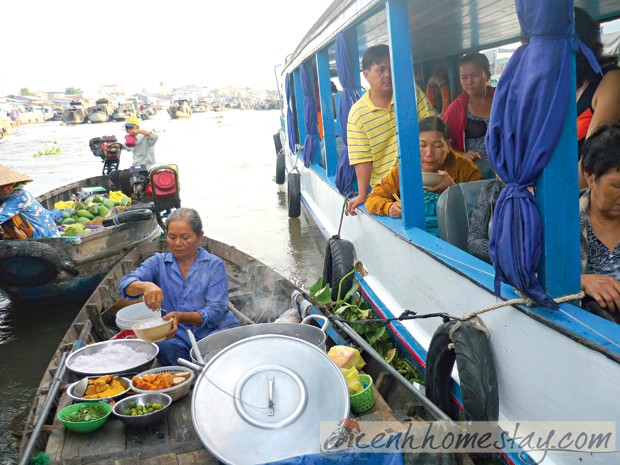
{"x": 262, "y": 399}
{"x": 212, "y": 344}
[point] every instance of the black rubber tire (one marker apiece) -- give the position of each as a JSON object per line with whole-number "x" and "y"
{"x": 280, "y": 169}
{"x": 277, "y": 142}
{"x": 294, "y": 195}
{"x": 27, "y": 262}
{"x": 339, "y": 261}
{"x": 476, "y": 368}
{"x": 129, "y": 216}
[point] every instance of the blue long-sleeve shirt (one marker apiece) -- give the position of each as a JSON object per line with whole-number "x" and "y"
{"x": 21, "y": 202}
{"x": 204, "y": 290}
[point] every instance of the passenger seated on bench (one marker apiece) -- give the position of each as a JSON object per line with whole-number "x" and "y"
{"x": 481, "y": 220}
{"x": 599, "y": 208}
{"x": 436, "y": 156}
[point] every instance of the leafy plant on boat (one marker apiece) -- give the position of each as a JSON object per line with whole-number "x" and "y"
{"x": 352, "y": 307}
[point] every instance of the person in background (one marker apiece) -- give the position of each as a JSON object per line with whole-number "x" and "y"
{"x": 599, "y": 208}
{"x": 21, "y": 215}
{"x": 468, "y": 116}
{"x": 141, "y": 144}
{"x": 188, "y": 285}
{"x": 481, "y": 220}
{"x": 371, "y": 125}
{"x": 598, "y": 95}
{"x": 436, "y": 156}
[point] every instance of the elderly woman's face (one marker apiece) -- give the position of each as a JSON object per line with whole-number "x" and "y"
{"x": 182, "y": 241}
{"x": 473, "y": 79}
{"x": 605, "y": 195}
{"x": 433, "y": 151}
{"x": 6, "y": 190}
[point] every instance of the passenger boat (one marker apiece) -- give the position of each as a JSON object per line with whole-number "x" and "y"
{"x": 68, "y": 268}
{"x": 258, "y": 294}
{"x": 101, "y": 112}
{"x": 75, "y": 114}
{"x": 549, "y": 365}
{"x": 181, "y": 108}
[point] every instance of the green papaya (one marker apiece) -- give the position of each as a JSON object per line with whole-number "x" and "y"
{"x": 66, "y": 214}
{"x": 108, "y": 203}
{"x": 124, "y": 200}
{"x": 68, "y": 220}
{"x": 85, "y": 214}
{"x": 83, "y": 219}
{"x": 93, "y": 209}
{"x": 97, "y": 199}
{"x": 79, "y": 206}
{"x": 103, "y": 211}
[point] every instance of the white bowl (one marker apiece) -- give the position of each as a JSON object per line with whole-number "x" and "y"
{"x": 430, "y": 179}
{"x": 132, "y": 314}
{"x": 153, "y": 330}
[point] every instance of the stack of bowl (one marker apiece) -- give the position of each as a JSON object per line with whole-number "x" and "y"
{"x": 133, "y": 314}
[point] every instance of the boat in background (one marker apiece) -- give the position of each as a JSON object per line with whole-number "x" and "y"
{"x": 101, "y": 112}
{"x": 539, "y": 364}
{"x": 75, "y": 114}
{"x": 180, "y": 108}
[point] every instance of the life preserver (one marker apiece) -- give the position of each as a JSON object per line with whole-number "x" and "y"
{"x": 26, "y": 262}
{"x": 469, "y": 346}
{"x": 435, "y": 85}
{"x": 294, "y": 195}
{"x": 339, "y": 260}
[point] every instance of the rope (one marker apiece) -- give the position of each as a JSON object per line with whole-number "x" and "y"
{"x": 344, "y": 209}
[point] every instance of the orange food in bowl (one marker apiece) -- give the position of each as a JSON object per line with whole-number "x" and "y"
{"x": 156, "y": 382}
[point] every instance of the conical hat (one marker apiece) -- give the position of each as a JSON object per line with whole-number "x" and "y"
{"x": 9, "y": 176}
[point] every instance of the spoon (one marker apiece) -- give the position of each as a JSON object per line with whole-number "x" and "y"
{"x": 80, "y": 387}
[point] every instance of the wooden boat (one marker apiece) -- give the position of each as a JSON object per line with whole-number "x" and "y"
{"x": 75, "y": 114}
{"x": 257, "y": 292}
{"x": 101, "y": 112}
{"x": 550, "y": 365}
{"x": 181, "y": 108}
{"x": 83, "y": 260}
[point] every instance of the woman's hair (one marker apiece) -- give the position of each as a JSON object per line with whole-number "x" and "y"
{"x": 478, "y": 59}
{"x": 434, "y": 123}
{"x": 188, "y": 214}
{"x": 588, "y": 31}
{"x": 601, "y": 151}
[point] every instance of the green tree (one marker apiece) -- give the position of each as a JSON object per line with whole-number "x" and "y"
{"x": 73, "y": 91}
{"x": 25, "y": 91}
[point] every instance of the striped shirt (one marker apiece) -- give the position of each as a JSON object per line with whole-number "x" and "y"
{"x": 371, "y": 134}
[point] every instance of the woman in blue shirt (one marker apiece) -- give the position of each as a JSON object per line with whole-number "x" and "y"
{"x": 189, "y": 285}
{"x": 21, "y": 215}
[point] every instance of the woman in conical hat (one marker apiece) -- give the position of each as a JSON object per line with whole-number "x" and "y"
{"x": 21, "y": 215}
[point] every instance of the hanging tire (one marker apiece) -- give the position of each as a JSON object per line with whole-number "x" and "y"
{"x": 280, "y": 168}
{"x": 339, "y": 261}
{"x": 277, "y": 142}
{"x": 26, "y": 262}
{"x": 294, "y": 195}
{"x": 474, "y": 361}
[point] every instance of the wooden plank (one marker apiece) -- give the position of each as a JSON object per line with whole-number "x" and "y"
{"x": 181, "y": 428}
{"x": 128, "y": 461}
{"x": 199, "y": 457}
{"x": 110, "y": 437}
{"x": 150, "y": 437}
{"x": 168, "y": 459}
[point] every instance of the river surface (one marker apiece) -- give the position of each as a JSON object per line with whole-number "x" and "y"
{"x": 226, "y": 166}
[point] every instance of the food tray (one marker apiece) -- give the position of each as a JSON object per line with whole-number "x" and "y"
{"x": 176, "y": 392}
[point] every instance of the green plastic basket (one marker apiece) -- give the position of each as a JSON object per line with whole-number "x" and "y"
{"x": 364, "y": 400}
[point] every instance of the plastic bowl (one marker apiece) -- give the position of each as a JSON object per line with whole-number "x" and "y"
{"x": 132, "y": 314}
{"x": 143, "y": 421}
{"x": 149, "y": 331}
{"x": 126, "y": 382}
{"x": 84, "y": 426}
{"x": 430, "y": 179}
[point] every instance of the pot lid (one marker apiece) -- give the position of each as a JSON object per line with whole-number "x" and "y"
{"x": 262, "y": 399}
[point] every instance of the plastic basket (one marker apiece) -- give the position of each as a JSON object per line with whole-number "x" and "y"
{"x": 364, "y": 400}
{"x": 176, "y": 392}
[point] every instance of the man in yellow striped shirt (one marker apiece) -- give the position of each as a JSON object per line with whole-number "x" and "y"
{"x": 371, "y": 126}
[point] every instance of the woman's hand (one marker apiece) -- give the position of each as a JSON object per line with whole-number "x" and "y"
{"x": 473, "y": 156}
{"x": 604, "y": 289}
{"x": 444, "y": 182}
{"x": 395, "y": 210}
{"x": 153, "y": 296}
{"x": 174, "y": 316}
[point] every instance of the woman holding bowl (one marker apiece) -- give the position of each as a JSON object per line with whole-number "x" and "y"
{"x": 468, "y": 116}
{"x": 436, "y": 156}
{"x": 188, "y": 285}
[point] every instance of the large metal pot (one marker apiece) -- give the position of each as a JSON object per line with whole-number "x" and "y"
{"x": 263, "y": 398}
{"x": 212, "y": 344}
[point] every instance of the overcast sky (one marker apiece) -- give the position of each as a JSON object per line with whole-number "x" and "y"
{"x": 51, "y": 45}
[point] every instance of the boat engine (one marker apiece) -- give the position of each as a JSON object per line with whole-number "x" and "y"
{"x": 109, "y": 150}
{"x": 159, "y": 186}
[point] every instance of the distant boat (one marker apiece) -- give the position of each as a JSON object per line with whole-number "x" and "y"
{"x": 180, "y": 109}
{"x": 75, "y": 114}
{"x": 101, "y": 112}
{"x": 124, "y": 111}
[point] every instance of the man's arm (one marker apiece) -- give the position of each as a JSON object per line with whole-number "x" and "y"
{"x": 362, "y": 172}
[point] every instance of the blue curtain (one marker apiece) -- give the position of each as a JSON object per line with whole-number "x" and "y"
{"x": 345, "y": 173}
{"x": 290, "y": 120}
{"x": 522, "y": 136}
{"x": 310, "y": 114}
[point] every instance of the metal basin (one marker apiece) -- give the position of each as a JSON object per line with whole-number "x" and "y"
{"x": 214, "y": 343}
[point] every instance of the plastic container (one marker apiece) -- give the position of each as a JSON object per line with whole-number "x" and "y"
{"x": 84, "y": 426}
{"x": 132, "y": 314}
{"x": 364, "y": 400}
{"x": 176, "y": 392}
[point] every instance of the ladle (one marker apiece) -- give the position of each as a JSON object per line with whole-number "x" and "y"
{"x": 80, "y": 387}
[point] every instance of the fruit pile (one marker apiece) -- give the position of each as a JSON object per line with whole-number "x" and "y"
{"x": 77, "y": 214}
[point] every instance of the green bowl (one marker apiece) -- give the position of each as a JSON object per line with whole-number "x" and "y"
{"x": 84, "y": 426}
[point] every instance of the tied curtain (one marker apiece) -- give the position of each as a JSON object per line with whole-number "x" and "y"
{"x": 345, "y": 173}
{"x": 290, "y": 121}
{"x": 527, "y": 117}
{"x": 310, "y": 115}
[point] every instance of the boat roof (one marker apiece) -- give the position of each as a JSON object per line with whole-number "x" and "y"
{"x": 440, "y": 28}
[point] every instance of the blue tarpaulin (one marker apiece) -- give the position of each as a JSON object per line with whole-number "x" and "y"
{"x": 345, "y": 173}
{"x": 290, "y": 121}
{"x": 344, "y": 457}
{"x": 527, "y": 117}
{"x": 310, "y": 114}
